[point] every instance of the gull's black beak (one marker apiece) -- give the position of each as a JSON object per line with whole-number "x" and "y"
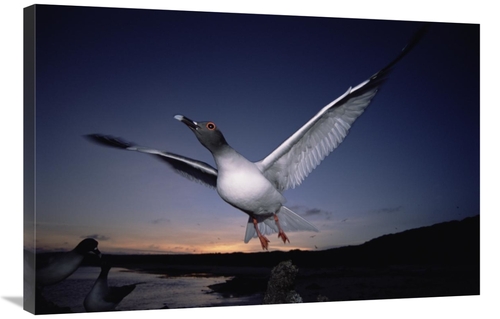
{"x": 190, "y": 123}
{"x": 96, "y": 252}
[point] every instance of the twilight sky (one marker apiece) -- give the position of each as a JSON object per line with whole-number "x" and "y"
{"x": 411, "y": 160}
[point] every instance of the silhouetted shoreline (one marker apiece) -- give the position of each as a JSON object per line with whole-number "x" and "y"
{"x": 435, "y": 261}
{"x": 439, "y": 260}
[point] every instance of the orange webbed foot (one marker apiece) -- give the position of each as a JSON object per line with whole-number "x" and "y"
{"x": 281, "y": 233}
{"x": 264, "y": 242}
{"x": 283, "y": 237}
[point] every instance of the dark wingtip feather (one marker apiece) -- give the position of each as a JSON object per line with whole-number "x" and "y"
{"x": 378, "y": 79}
{"x": 417, "y": 37}
{"x": 108, "y": 140}
{"x": 411, "y": 44}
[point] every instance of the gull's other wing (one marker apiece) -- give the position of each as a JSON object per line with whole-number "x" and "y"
{"x": 192, "y": 169}
{"x": 289, "y": 164}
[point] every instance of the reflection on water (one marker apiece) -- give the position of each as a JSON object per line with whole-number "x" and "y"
{"x": 153, "y": 292}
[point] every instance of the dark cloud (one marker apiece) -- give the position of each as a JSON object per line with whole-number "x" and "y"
{"x": 311, "y": 212}
{"x": 97, "y": 237}
{"x": 43, "y": 249}
{"x": 160, "y": 221}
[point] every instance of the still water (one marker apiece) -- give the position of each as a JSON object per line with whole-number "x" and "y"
{"x": 152, "y": 292}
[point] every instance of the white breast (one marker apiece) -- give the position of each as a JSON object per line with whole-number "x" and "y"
{"x": 241, "y": 184}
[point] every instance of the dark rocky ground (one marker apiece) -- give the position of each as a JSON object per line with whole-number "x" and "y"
{"x": 439, "y": 260}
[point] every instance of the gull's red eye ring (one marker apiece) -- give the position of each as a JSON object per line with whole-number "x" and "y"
{"x": 211, "y": 126}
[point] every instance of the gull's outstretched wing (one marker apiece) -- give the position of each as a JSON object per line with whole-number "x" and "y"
{"x": 289, "y": 164}
{"x": 192, "y": 169}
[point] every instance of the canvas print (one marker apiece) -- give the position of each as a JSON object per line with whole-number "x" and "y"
{"x": 179, "y": 159}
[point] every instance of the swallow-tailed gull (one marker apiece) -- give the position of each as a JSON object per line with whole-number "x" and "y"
{"x": 256, "y": 187}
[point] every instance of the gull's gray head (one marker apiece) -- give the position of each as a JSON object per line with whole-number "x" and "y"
{"x": 88, "y": 245}
{"x": 207, "y": 133}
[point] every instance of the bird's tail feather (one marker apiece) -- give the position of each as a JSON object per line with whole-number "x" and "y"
{"x": 289, "y": 222}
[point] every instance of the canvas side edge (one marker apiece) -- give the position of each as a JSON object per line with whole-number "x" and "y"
{"x": 29, "y": 34}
